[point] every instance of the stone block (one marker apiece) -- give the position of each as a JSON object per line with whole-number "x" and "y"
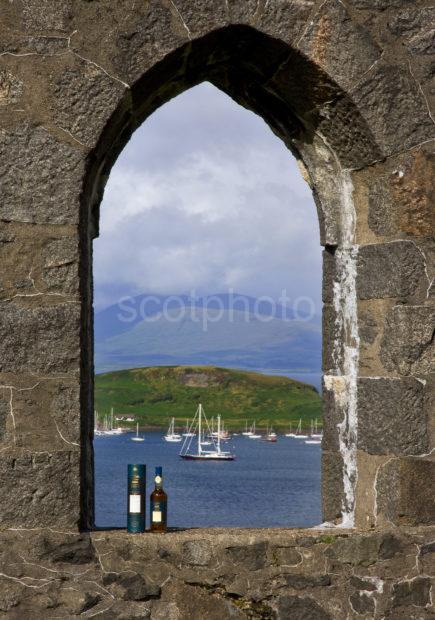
{"x": 362, "y": 603}
{"x": 68, "y": 549}
{"x": 328, "y": 275}
{"x": 333, "y": 413}
{"x": 415, "y": 592}
{"x": 41, "y": 178}
{"x": 426, "y": 558}
{"x": 84, "y": 115}
{"x": 197, "y": 552}
{"x": 197, "y": 17}
{"x": 36, "y": 260}
{"x": 11, "y": 88}
{"x": 405, "y": 488}
{"x": 304, "y": 608}
{"x": 394, "y": 197}
{"x": 284, "y": 19}
{"x": 332, "y": 486}
{"x": 408, "y": 22}
{"x": 411, "y": 188}
{"x": 302, "y": 582}
{"x": 5, "y": 411}
{"x": 356, "y": 147}
{"x": 42, "y": 15}
{"x": 146, "y": 36}
{"x": 332, "y": 345}
{"x": 408, "y": 345}
{"x": 395, "y": 127}
{"x": 364, "y": 549}
{"x": 342, "y": 47}
{"x": 379, "y": 5}
{"x": 61, "y": 265}
{"x": 77, "y": 603}
{"x": 46, "y": 415}
{"x": 394, "y": 270}
{"x": 131, "y": 586}
{"x": 371, "y": 323}
{"x": 287, "y": 556}
{"x": 253, "y": 557}
{"x": 391, "y": 416}
{"x": 40, "y": 340}
{"x": 362, "y": 584}
{"x": 40, "y": 489}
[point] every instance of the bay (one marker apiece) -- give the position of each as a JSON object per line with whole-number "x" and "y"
{"x": 268, "y": 485}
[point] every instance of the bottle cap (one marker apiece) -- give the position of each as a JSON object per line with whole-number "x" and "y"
{"x": 136, "y": 469}
{"x": 159, "y": 471}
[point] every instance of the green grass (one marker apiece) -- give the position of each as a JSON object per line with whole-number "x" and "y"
{"x": 155, "y": 394}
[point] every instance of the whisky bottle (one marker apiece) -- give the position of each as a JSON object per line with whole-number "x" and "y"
{"x": 136, "y": 498}
{"x": 158, "y": 504}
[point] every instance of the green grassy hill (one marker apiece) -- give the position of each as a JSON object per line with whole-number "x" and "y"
{"x": 153, "y": 395}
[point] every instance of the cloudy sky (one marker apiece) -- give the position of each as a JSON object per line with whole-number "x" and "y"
{"x": 205, "y": 198}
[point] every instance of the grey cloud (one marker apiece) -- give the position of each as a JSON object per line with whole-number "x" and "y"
{"x": 205, "y": 196}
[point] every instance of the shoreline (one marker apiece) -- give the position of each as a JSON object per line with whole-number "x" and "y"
{"x": 163, "y": 429}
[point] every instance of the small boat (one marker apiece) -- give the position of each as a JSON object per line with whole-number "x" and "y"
{"x": 216, "y": 454}
{"x": 253, "y": 434}
{"x": 223, "y": 433}
{"x": 246, "y": 433}
{"x": 171, "y": 436}
{"x": 313, "y": 439}
{"x": 315, "y": 434}
{"x": 188, "y": 432}
{"x": 270, "y": 435}
{"x": 290, "y": 432}
{"x": 299, "y": 434}
{"x": 137, "y": 437}
{"x": 105, "y": 428}
{"x": 204, "y": 440}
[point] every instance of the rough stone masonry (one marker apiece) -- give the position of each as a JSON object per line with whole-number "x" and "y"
{"x": 348, "y": 85}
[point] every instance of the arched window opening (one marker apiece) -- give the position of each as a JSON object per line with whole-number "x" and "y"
{"x": 207, "y": 290}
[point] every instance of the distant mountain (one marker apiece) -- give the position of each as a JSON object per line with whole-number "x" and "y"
{"x": 215, "y": 330}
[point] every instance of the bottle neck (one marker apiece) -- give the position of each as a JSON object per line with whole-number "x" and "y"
{"x": 158, "y": 483}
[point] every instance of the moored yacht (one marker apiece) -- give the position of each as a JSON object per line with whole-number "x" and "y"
{"x": 171, "y": 436}
{"x": 188, "y": 452}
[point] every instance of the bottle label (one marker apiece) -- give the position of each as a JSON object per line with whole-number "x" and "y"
{"x": 134, "y": 504}
{"x": 157, "y": 516}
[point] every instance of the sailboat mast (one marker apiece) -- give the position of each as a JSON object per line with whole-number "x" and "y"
{"x": 219, "y": 434}
{"x": 199, "y": 428}
{"x": 111, "y": 419}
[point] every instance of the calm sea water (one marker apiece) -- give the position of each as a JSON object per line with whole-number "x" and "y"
{"x": 267, "y": 485}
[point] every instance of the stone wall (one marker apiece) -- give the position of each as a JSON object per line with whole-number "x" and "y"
{"x": 348, "y": 86}
{"x": 219, "y": 575}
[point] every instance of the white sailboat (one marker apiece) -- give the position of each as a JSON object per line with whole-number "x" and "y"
{"x": 188, "y": 432}
{"x": 312, "y": 439}
{"x": 299, "y": 434}
{"x": 290, "y": 433}
{"x": 215, "y": 454}
{"x": 222, "y": 433}
{"x": 246, "y": 433}
{"x": 316, "y": 434}
{"x": 105, "y": 428}
{"x": 171, "y": 435}
{"x": 137, "y": 437}
{"x": 253, "y": 434}
{"x": 270, "y": 435}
